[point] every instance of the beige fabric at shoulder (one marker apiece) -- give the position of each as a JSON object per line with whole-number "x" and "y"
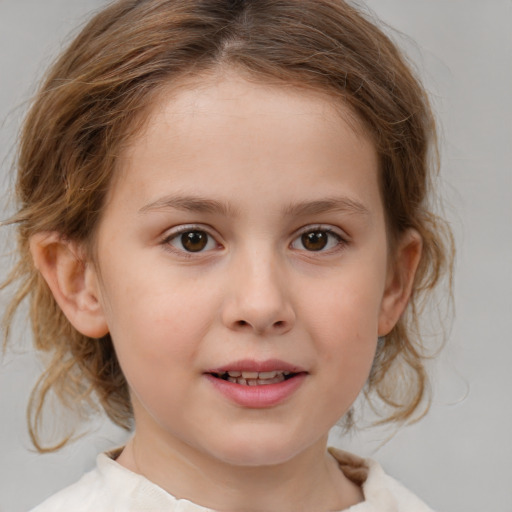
{"x": 112, "y": 488}
{"x": 382, "y": 493}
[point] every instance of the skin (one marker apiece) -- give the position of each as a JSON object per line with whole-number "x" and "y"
{"x": 251, "y": 167}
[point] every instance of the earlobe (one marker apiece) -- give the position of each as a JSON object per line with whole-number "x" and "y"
{"x": 72, "y": 281}
{"x": 400, "y": 280}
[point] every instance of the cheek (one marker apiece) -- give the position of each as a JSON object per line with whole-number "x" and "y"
{"x": 343, "y": 322}
{"x": 346, "y": 308}
{"x": 156, "y": 325}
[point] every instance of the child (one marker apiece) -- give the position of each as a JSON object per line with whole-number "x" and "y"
{"x": 225, "y": 235}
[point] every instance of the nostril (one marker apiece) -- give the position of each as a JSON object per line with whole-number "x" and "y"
{"x": 262, "y": 326}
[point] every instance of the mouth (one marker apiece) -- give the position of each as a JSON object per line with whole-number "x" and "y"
{"x": 248, "y": 378}
{"x": 257, "y": 384}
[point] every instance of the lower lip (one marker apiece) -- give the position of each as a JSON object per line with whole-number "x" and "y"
{"x": 258, "y": 397}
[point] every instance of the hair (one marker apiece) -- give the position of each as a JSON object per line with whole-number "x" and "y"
{"x": 98, "y": 94}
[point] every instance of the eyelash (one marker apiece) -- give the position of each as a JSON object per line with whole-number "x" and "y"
{"x": 340, "y": 241}
{"x": 175, "y": 235}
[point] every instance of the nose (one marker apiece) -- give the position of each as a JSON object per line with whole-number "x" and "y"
{"x": 259, "y": 297}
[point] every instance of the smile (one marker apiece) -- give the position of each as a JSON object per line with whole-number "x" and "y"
{"x": 255, "y": 385}
{"x": 246, "y": 378}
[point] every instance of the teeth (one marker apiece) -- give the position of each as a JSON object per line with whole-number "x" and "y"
{"x": 257, "y": 375}
{"x": 267, "y": 375}
{"x": 250, "y": 375}
{"x": 255, "y": 378}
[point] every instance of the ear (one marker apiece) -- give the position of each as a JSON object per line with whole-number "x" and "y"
{"x": 72, "y": 280}
{"x": 400, "y": 279}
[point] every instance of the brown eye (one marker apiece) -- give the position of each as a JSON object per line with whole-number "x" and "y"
{"x": 191, "y": 241}
{"x": 315, "y": 240}
{"x": 194, "y": 241}
{"x": 318, "y": 240}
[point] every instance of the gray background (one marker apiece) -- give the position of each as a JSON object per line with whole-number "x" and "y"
{"x": 458, "y": 457}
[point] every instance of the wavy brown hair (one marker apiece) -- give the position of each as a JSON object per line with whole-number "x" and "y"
{"x": 97, "y": 95}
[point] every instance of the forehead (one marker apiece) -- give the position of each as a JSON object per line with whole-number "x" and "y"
{"x": 224, "y": 126}
{"x": 223, "y": 90}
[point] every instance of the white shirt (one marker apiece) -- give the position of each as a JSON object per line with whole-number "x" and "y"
{"x": 111, "y": 487}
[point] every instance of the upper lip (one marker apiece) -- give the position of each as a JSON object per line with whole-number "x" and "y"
{"x": 249, "y": 365}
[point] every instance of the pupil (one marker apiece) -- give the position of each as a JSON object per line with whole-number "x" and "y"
{"x": 315, "y": 240}
{"x": 194, "y": 241}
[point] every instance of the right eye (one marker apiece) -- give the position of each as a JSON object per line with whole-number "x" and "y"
{"x": 318, "y": 239}
{"x": 191, "y": 240}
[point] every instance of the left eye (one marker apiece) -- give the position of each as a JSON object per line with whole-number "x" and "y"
{"x": 193, "y": 240}
{"x": 317, "y": 240}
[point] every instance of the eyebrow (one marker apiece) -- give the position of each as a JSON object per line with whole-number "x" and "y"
{"x": 190, "y": 204}
{"x": 203, "y": 205}
{"x": 328, "y": 205}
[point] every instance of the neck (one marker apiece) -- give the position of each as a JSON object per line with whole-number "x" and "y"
{"x": 311, "y": 480}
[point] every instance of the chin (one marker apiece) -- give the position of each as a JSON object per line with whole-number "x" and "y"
{"x": 254, "y": 451}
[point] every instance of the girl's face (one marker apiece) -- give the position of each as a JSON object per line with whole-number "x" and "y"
{"x": 243, "y": 270}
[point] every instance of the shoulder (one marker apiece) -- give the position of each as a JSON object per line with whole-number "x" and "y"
{"x": 382, "y": 492}
{"x": 383, "y": 489}
{"x": 109, "y": 487}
